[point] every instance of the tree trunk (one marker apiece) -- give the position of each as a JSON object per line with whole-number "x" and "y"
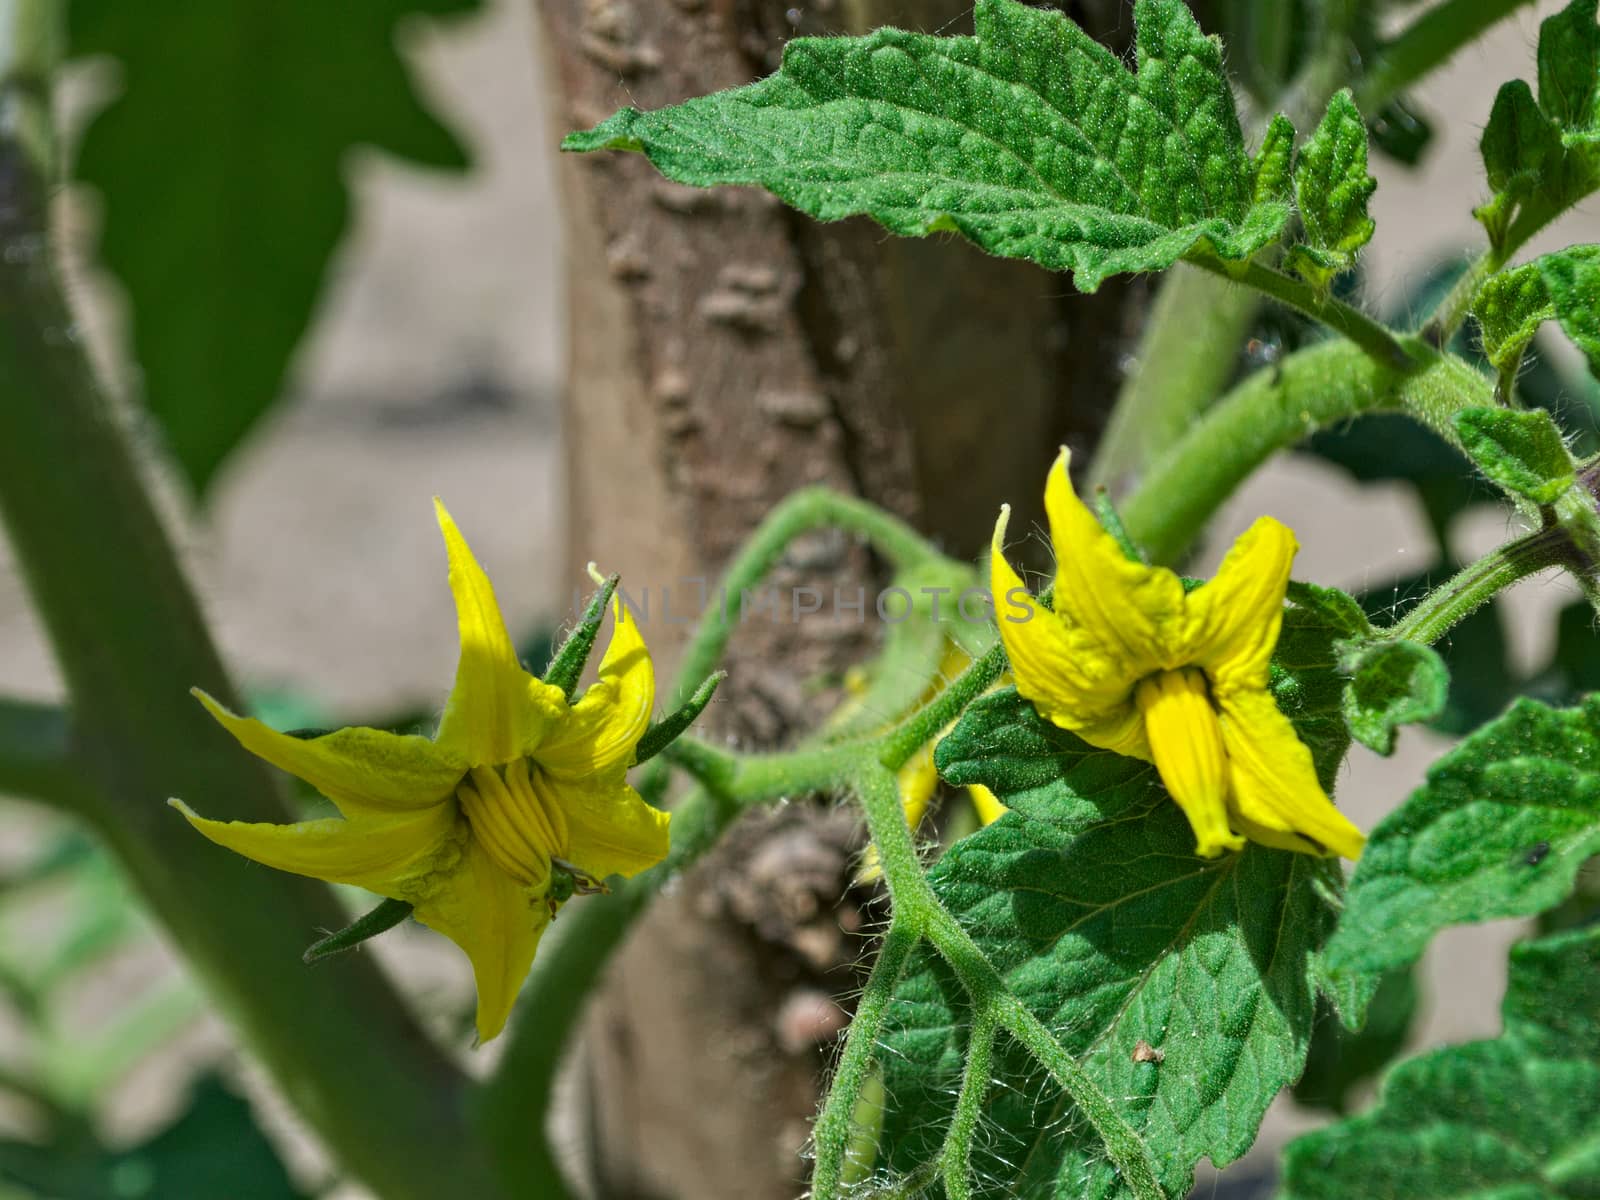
{"x": 725, "y": 351}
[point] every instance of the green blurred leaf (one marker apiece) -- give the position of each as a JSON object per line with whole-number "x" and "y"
{"x": 1521, "y": 452}
{"x": 221, "y": 165}
{"x": 1331, "y": 188}
{"x": 1031, "y": 139}
{"x": 1515, "y": 1118}
{"x": 213, "y": 1150}
{"x": 1499, "y": 829}
{"x": 1393, "y": 684}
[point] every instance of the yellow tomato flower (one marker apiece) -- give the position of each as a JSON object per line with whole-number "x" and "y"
{"x": 469, "y": 826}
{"x": 1130, "y": 663}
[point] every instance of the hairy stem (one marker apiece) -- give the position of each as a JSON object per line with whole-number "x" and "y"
{"x": 915, "y": 903}
{"x": 956, "y": 1154}
{"x": 1273, "y": 409}
{"x": 799, "y": 513}
{"x": 1476, "y": 584}
{"x": 131, "y": 642}
{"x": 835, "y": 1126}
{"x": 1372, "y": 336}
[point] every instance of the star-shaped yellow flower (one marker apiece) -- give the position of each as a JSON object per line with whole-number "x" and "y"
{"x": 1130, "y": 663}
{"x": 470, "y": 825}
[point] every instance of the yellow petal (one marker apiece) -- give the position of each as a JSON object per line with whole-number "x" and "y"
{"x": 1133, "y": 613}
{"x": 917, "y": 780}
{"x": 1236, "y": 617}
{"x": 1067, "y": 679}
{"x": 1275, "y": 798}
{"x": 1188, "y": 749}
{"x": 363, "y": 771}
{"x": 496, "y": 921}
{"x": 610, "y": 829}
{"x": 986, "y": 803}
{"x": 603, "y": 728}
{"x": 495, "y": 708}
{"x": 385, "y": 854}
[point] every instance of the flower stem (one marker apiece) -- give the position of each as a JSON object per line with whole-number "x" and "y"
{"x": 956, "y": 1154}
{"x": 1275, "y": 408}
{"x": 1475, "y": 585}
{"x": 1372, "y": 336}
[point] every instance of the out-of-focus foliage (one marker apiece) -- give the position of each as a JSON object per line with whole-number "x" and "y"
{"x": 221, "y": 168}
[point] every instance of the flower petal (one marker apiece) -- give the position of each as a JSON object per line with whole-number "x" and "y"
{"x": 1187, "y": 745}
{"x": 1058, "y": 669}
{"x": 363, "y": 771}
{"x": 606, "y": 723}
{"x": 495, "y": 708}
{"x": 610, "y": 829}
{"x": 986, "y": 803}
{"x": 498, "y": 924}
{"x": 384, "y": 854}
{"x": 1133, "y": 613}
{"x": 1275, "y": 798}
{"x": 1236, "y": 617}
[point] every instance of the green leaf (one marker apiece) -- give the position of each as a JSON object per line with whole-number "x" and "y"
{"x": 1030, "y": 139}
{"x": 1499, "y": 829}
{"x": 1541, "y": 156}
{"x": 1509, "y": 308}
{"x": 222, "y": 169}
{"x": 1332, "y": 187}
{"x": 1515, "y": 1118}
{"x": 1088, "y": 898}
{"x": 1393, "y": 684}
{"x": 213, "y": 1149}
{"x": 1563, "y": 286}
{"x": 1521, "y": 452}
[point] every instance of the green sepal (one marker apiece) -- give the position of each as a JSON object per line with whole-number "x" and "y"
{"x": 1519, "y": 451}
{"x": 1332, "y": 188}
{"x": 1111, "y": 522}
{"x": 1030, "y": 139}
{"x": 1392, "y": 684}
{"x": 567, "y": 663}
{"x": 1512, "y": 1118}
{"x": 664, "y": 732}
{"x": 1500, "y": 829}
{"x": 380, "y": 920}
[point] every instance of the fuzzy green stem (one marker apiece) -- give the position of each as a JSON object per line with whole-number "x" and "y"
{"x": 1372, "y": 336}
{"x": 131, "y": 642}
{"x": 799, "y": 513}
{"x": 922, "y": 726}
{"x": 1272, "y": 410}
{"x": 835, "y": 1128}
{"x": 915, "y": 903}
{"x": 1475, "y": 585}
{"x": 1427, "y": 42}
{"x": 956, "y": 1154}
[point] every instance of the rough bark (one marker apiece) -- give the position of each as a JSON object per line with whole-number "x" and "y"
{"x": 724, "y": 352}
